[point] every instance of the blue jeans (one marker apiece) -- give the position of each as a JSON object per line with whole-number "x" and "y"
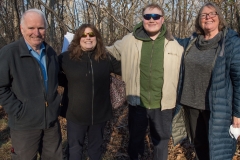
{"x": 160, "y": 123}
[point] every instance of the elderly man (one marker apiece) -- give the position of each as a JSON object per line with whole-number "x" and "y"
{"x": 28, "y": 91}
{"x": 150, "y": 59}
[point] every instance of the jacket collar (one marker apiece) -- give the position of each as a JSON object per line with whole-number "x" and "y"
{"x": 23, "y": 49}
{"x": 140, "y": 33}
{"x": 169, "y": 36}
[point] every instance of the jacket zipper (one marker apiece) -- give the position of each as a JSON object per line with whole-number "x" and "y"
{"x": 43, "y": 90}
{"x": 46, "y": 103}
{"x": 150, "y": 75}
{"x": 92, "y": 84}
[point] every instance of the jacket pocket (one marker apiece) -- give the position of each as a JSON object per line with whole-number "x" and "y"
{"x": 32, "y": 112}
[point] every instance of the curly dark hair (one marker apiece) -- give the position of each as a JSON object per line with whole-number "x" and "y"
{"x": 222, "y": 21}
{"x": 75, "y": 48}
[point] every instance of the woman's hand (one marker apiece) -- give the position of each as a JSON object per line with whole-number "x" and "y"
{"x": 236, "y": 122}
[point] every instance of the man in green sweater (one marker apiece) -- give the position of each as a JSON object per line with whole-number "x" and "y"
{"x": 150, "y": 59}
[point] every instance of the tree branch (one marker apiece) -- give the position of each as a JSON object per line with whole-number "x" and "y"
{"x": 65, "y": 27}
{"x": 105, "y": 10}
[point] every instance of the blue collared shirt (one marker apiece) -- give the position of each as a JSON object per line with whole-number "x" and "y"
{"x": 41, "y": 58}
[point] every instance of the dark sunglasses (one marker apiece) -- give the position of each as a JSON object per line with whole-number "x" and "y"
{"x": 90, "y": 34}
{"x": 153, "y": 16}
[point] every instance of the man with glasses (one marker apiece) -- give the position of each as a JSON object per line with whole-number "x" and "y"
{"x": 150, "y": 59}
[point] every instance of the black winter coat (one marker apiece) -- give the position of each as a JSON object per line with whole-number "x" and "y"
{"x": 22, "y": 91}
{"x": 87, "y": 82}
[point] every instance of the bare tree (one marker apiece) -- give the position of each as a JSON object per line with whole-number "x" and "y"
{"x": 113, "y": 18}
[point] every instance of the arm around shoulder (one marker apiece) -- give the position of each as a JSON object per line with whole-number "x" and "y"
{"x": 115, "y": 65}
{"x": 185, "y": 41}
{"x": 117, "y": 48}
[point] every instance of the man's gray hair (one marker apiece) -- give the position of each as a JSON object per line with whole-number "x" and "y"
{"x": 35, "y": 11}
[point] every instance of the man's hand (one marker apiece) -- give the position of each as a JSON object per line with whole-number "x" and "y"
{"x": 236, "y": 122}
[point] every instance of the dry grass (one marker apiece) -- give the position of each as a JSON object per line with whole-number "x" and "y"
{"x": 116, "y": 140}
{"x": 5, "y": 143}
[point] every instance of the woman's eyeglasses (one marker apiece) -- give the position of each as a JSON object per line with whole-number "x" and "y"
{"x": 90, "y": 34}
{"x": 153, "y": 16}
{"x": 210, "y": 15}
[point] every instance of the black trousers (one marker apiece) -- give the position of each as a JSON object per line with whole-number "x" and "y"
{"x": 26, "y": 144}
{"x": 76, "y": 135}
{"x": 160, "y": 131}
{"x": 199, "y": 127}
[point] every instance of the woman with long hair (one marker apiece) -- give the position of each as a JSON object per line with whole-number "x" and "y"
{"x": 86, "y": 69}
{"x": 209, "y": 86}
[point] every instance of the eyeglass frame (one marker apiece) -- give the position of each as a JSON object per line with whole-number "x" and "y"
{"x": 153, "y": 16}
{"x": 90, "y": 34}
{"x": 204, "y": 15}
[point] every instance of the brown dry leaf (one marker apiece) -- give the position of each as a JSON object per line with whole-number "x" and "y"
{"x": 115, "y": 140}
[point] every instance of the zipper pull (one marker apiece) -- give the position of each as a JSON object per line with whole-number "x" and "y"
{"x": 46, "y": 104}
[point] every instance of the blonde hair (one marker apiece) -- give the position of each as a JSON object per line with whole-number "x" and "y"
{"x": 152, "y": 6}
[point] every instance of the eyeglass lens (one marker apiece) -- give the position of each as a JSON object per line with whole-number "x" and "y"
{"x": 90, "y": 34}
{"x": 210, "y": 15}
{"x": 153, "y": 16}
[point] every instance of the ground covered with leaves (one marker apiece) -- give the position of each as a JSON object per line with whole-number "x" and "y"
{"x": 115, "y": 144}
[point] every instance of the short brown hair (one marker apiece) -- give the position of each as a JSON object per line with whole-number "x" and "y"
{"x": 222, "y": 21}
{"x": 152, "y": 6}
{"x": 75, "y": 48}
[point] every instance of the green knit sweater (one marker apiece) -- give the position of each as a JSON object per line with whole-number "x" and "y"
{"x": 151, "y": 67}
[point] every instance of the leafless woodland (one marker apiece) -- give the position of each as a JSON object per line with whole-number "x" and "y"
{"x": 113, "y": 18}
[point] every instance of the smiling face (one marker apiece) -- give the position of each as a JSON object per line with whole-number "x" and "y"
{"x": 33, "y": 29}
{"x": 88, "y": 43}
{"x": 209, "y": 24}
{"x": 153, "y": 26}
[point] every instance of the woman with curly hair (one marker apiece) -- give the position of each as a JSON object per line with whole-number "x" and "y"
{"x": 86, "y": 69}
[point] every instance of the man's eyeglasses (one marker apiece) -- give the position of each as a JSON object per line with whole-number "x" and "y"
{"x": 210, "y": 15}
{"x": 90, "y": 34}
{"x": 153, "y": 16}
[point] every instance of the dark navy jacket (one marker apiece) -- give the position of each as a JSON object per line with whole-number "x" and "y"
{"x": 22, "y": 91}
{"x": 224, "y": 95}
